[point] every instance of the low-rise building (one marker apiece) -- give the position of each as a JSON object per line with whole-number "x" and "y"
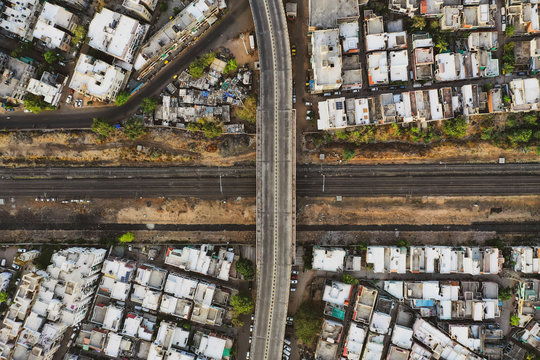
{"x": 19, "y": 17}
{"x": 326, "y": 60}
{"x": 49, "y": 86}
{"x": 328, "y": 259}
{"x": 365, "y": 302}
{"x": 116, "y": 35}
{"x": 97, "y": 79}
{"x": 206, "y": 260}
{"x": 526, "y": 259}
{"x": 141, "y": 8}
{"x": 15, "y": 75}
{"x": 212, "y": 345}
{"x": 456, "y": 17}
{"x": 525, "y": 94}
{"x": 54, "y": 25}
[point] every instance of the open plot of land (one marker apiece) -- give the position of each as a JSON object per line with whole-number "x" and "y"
{"x": 417, "y": 210}
{"x": 164, "y": 147}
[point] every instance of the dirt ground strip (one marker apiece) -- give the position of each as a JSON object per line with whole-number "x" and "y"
{"x": 160, "y": 146}
{"x": 395, "y": 152}
{"x": 132, "y": 211}
{"x": 418, "y": 210}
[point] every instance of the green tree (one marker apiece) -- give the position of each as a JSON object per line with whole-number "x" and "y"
{"x": 134, "y": 128}
{"x": 122, "y": 98}
{"x": 163, "y": 6}
{"x": 102, "y": 128}
{"x": 207, "y": 59}
{"x": 237, "y": 322}
{"x": 126, "y": 238}
{"x": 509, "y": 47}
{"x": 307, "y": 322}
{"x": 455, "y": 128}
{"x": 148, "y": 105}
{"x": 231, "y": 66}
{"x": 36, "y": 103}
{"x": 509, "y": 31}
{"x": 418, "y": 23}
{"x": 505, "y": 293}
{"x": 514, "y": 320}
{"x": 403, "y": 243}
{"x": 210, "y": 128}
{"x": 442, "y": 45}
{"x": 245, "y": 268}
{"x": 17, "y": 52}
{"x": 52, "y": 57}
{"x": 520, "y": 136}
{"x": 4, "y": 296}
{"x": 348, "y": 279}
{"x": 531, "y": 119}
{"x": 248, "y": 112}
{"x": 348, "y": 154}
{"x": 242, "y": 303}
{"x": 508, "y": 68}
{"x": 196, "y": 70}
{"x": 79, "y": 35}
{"x": 176, "y": 10}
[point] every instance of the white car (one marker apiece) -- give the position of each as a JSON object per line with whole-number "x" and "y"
{"x": 69, "y": 98}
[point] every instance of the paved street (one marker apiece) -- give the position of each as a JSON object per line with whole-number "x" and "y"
{"x": 275, "y": 179}
{"x": 236, "y": 20}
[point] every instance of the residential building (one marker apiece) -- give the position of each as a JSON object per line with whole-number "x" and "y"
{"x": 407, "y": 7}
{"x": 54, "y": 25}
{"x": 116, "y": 35}
{"x": 141, "y": 8}
{"x": 526, "y": 259}
{"x": 399, "y": 63}
{"x": 97, "y": 79}
{"x": 531, "y": 335}
{"x": 19, "y": 17}
{"x": 206, "y": 260}
{"x": 431, "y": 8}
{"x": 525, "y": 94}
{"x": 15, "y": 77}
{"x": 332, "y": 114}
{"x": 377, "y": 63}
{"x": 5, "y": 277}
{"x": 336, "y": 296}
{"x": 151, "y": 276}
{"x": 440, "y": 343}
{"x": 49, "y": 86}
{"x": 326, "y": 60}
{"x": 212, "y": 345}
{"x": 329, "y": 340}
{"x": 423, "y": 57}
{"x": 169, "y": 337}
{"x": 456, "y": 17}
{"x": 328, "y": 259}
{"x": 354, "y": 342}
{"x": 178, "y": 32}
{"x": 325, "y": 14}
{"x": 365, "y": 302}
{"x": 387, "y": 259}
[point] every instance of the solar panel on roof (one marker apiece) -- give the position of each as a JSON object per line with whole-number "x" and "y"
{"x": 339, "y": 106}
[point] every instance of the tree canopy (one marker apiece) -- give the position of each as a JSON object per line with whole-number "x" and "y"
{"x": 418, "y": 23}
{"x": 126, "y": 238}
{"x": 102, "y": 128}
{"x": 134, "y": 128}
{"x": 455, "y": 128}
{"x": 505, "y": 293}
{"x": 122, "y": 98}
{"x": 248, "y": 112}
{"x": 79, "y": 35}
{"x": 210, "y": 128}
{"x": 348, "y": 279}
{"x": 242, "y": 303}
{"x": 4, "y": 296}
{"x": 197, "y": 67}
{"x": 52, "y": 57}
{"x": 514, "y": 320}
{"x": 307, "y": 322}
{"x": 36, "y": 103}
{"x": 231, "y": 66}
{"x": 245, "y": 268}
{"x": 148, "y": 105}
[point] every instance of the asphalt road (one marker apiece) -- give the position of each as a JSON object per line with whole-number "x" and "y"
{"x": 71, "y": 118}
{"x": 216, "y": 187}
{"x": 275, "y": 179}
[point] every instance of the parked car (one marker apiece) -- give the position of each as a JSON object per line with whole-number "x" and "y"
{"x": 294, "y": 281}
{"x": 295, "y": 277}
{"x": 308, "y": 103}
{"x": 15, "y": 266}
{"x": 293, "y": 50}
{"x": 69, "y": 98}
{"x": 3, "y": 263}
{"x": 294, "y": 272}
{"x": 327, "y": 94}
{"x": 293, "y": 288}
